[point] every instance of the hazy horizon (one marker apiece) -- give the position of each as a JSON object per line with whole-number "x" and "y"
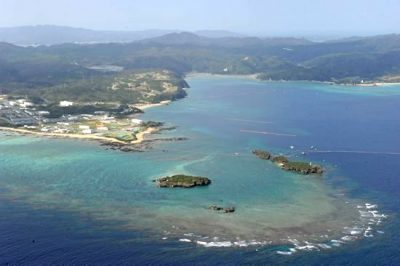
{"x": 260, "y": 18}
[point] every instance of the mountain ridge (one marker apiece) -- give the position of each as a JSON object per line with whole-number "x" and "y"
{"x": 52, "y": 35}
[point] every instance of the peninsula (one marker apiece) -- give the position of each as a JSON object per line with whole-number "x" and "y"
{"x": 110, "y": 115}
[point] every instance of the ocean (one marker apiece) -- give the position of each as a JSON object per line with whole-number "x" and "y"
{"x": 67, "y": 201}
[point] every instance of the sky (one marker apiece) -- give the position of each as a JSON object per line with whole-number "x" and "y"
{"x": 258, "y": 17}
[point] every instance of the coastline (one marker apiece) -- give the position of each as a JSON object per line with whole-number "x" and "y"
{"x": 205, "y": 74}
{"x": 144, "y": 106}
{"x": 140, "y": 137}
{"x": 255, "y": 77}
{"x": 195, "y": 241}
{"x": 378, "y": 84}
{"x": 62, "y": 135}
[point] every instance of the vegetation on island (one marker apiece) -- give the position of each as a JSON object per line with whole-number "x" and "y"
{"x": 264, "y": 155}
{"x": 280, "y": 159}
{"x": 302, "y": 168}
{"x": 184, "y": 181}
{"x": 293, "y": 166}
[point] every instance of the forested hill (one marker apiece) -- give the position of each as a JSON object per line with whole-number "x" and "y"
{"x": 347, "y": 60}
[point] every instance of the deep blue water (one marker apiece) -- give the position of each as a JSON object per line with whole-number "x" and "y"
{"x": 219, "y": 116}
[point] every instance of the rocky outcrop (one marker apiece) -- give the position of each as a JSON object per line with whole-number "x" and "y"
{"x": 183, "y": 181}
{"x": 264, "y": 155}
{"x": 120, "y": 146}
{"x": 222, "y": 209}
{"x": 303, "y": 168}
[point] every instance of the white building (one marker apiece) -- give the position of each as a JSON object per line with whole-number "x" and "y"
{"x": 101, "y": 128}
{"x": 43, "y": 112}
{"x": 87, "y": 131}
{"x": 23, "y": 103}
{"x": 84, "y": 127}
{"x": 66, "y": 103}
{"x": 108, "y": 118}
{"x": 136, "y": 121}
{"x": 26, "y": 104}
{"x": 72, "y": 118}
{"x": 29, "y": 127}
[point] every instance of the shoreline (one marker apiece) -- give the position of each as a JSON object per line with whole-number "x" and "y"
{"x": 140, "y": 137}
{"x": 378, "y": 84}
{"x": 62, "y": 135}
{"x": 205, "y": 74}
{"x": 143, "y": 106}
{"x": 232, "y": 241}
{"x": 254, "y": 77}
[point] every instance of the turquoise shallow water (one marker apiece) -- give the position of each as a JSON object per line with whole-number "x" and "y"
{"x": 224, "y": 119}
{"x": 115, "y": 186}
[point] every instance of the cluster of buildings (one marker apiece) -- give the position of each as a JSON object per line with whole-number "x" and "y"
{"x": 88, "y": 124}
{"x": 22, "y": 113}
{"x": 17, "y": 112}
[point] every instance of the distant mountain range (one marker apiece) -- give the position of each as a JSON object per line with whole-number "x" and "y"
{"x": 188, "y": 38}
{"x": 50, "y": 35}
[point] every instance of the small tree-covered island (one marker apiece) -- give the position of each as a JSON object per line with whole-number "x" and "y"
{"x": 293, "y": 166}
{"x": 184, "y": 181}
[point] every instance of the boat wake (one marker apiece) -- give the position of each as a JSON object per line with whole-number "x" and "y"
{"x": 267, "y": 133}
